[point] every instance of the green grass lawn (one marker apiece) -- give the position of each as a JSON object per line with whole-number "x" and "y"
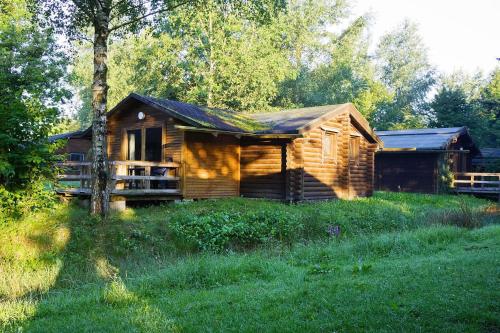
{"x": 400, "y": 263}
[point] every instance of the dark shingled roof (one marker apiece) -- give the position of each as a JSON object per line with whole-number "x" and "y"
{"x": 279, "y": 122}
{"x": 420, "y": 139}
{"x": 68, "y": 135}
{"x": 204, "y": 116}
{"x": 290, "y": 121}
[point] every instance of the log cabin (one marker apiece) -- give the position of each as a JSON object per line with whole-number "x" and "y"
{"x": 487, "y": 161}
{"x": 76, "y": 144}
{"x": 422, "y": 160}
{"x": 163, "y": 150}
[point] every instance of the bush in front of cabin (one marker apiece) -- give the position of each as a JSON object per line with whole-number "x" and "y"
{"x": 218, "y": 231}
{"x": 15, "y": 204}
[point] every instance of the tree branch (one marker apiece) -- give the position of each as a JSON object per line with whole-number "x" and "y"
{"x": 116, "y": 4}
{"x": 130, "y": 7}
{"x": 87, "y": 10}
{"x": 137, "y": 19}
{"x": 86, "y": 38}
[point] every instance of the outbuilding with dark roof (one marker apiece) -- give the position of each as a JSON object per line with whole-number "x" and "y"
{"x": 488, "y": 160}
{"x": 421, "y": 160}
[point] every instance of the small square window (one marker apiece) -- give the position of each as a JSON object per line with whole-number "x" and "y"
{"x": 330, "y": 145}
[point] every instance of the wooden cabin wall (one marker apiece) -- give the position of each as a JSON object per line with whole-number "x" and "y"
{"x": 370, "y": 168}
{"x": 263, "y": 168}
{"x": 406, "y": 172}
{"x": 119, "y": 123}
{"x": 361, "y": 174}
{"x": 74, "y": 145}
{"x": 173, "y": 141}
{"x": 211, "y": 165}
{"x": 322, "y": 178}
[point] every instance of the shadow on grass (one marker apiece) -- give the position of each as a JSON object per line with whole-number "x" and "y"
{"x": 89, "y": 259}
{"x": 73, "y": 253}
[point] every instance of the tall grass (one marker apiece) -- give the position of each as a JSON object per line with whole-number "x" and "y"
{"x": 60, "y": 261}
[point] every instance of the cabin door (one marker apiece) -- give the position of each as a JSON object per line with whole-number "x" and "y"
{"x": 144, "y": 144}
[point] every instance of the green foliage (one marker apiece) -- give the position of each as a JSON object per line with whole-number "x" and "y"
{"x": 445, "y": 179}
{"x": 404, "y": 68}
{"x": 214, "y": 55}
{"x": 470, "y": 101}
{"x": 216, "y": 231}
{"x": 490, "y": 103}
{"x": 31, "y": 75}
{"x": 222, "y": 56}
{"x": 452, "y": 108}
{"x": 19, "y": 202}
{"x": 345, "y": 75}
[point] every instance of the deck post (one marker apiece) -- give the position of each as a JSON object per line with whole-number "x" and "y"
{"x": 147, "y": 172}
{"x": 80, "y": 169}
{"x": 118, "y": 206}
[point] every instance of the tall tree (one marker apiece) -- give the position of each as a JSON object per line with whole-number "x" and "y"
{"x": 345, "y": 73}
{"x": 405, "y": 70}
{"x": 452, "y": 108}
{"x": 490, "y": 103}
{"x": 305, "y": 26}
{"x": 32, "y": 70}
{"x": 232, "y": 60}
{"x": 472, "y": 101}
{"x": 107, "y": 17}
{"x": 144, "y": 63}
{"x": 456, "y": 103}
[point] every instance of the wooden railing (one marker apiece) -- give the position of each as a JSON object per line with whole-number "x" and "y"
{"x": 476, "y": 182}
{"x": 128, "y": 178}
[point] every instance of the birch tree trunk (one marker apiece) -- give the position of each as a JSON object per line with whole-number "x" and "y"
{"x": 100, "y": 173}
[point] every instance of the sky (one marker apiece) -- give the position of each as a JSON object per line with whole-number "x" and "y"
{"x": 459, "y": 34}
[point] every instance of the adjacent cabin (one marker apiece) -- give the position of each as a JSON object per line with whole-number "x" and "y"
{"x": 76, "y": 144}
{"x": 163, "y": 150}
{"x": 422, "y": 160}
{"x": 488, "y": 160}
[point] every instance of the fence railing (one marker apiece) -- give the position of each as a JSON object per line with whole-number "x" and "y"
{"x": 128, "y": 177}
{"x": 476, "y": 182}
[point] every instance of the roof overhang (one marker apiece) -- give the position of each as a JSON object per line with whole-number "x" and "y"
{"x": 216, "y": 132}
{"x": 453, "y": 136}
{"x": 82, "y": 134}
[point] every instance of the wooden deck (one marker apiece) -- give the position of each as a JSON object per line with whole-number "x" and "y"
{"x": 132, "y": 180}
{"x": 477, "y": 183}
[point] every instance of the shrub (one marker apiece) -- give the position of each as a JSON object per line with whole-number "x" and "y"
{"x": 464, "y": 216}
{"x": 15, "y": 204}
{"x": 217, "y": 231}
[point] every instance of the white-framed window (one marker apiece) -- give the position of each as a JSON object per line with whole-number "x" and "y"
{"x": 78, "y": 157}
